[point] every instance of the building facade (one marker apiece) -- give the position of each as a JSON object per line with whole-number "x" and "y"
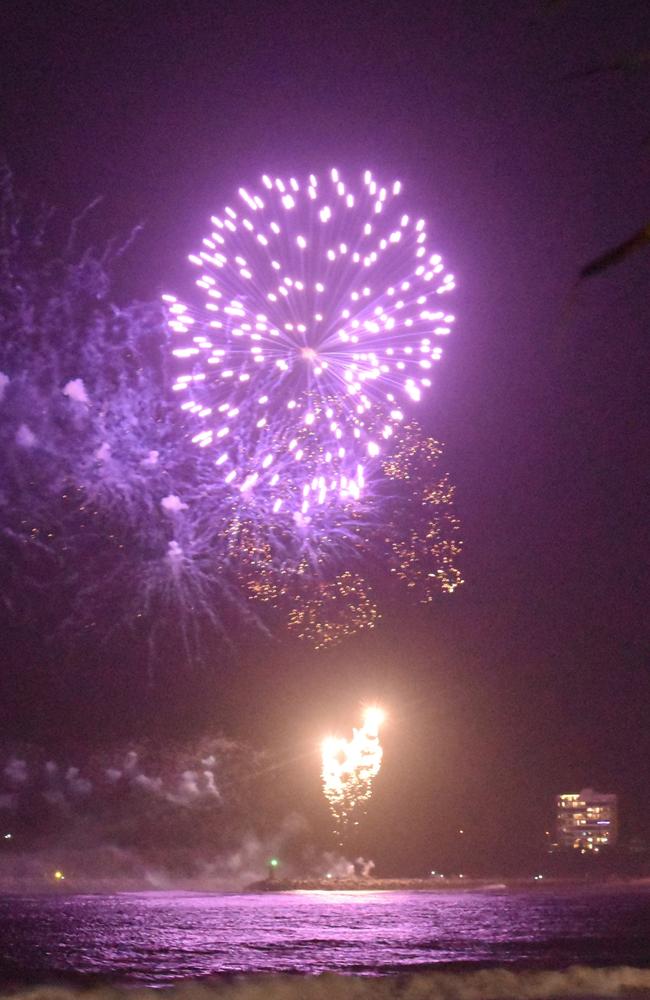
{"x": 586, "y": 820}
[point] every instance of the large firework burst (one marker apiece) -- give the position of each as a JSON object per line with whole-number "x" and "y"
{"x": 311, "y": 483}
{"x": 323, "y": 316}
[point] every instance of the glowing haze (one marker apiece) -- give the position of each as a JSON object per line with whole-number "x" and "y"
{"x": 323, "y": 315}
{"x": 349, "y": 768}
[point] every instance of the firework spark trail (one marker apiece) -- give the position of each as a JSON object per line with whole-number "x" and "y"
{"x": 323, "y": 304}
{"x": 349, "y": 768}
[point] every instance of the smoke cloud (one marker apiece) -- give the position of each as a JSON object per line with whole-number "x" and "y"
{"x": 76, "y": 391}
{"x": 198, "y": 815}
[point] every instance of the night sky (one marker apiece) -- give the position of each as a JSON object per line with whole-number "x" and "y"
{"x": 532, "y": 678}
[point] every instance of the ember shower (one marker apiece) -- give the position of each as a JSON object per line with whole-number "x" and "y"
{"x": 308, "y": 479}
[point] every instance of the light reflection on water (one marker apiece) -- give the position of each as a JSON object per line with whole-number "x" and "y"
{"x": 159, "y": 937}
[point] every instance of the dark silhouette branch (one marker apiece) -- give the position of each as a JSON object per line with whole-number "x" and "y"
{"x": 617, "y": 254}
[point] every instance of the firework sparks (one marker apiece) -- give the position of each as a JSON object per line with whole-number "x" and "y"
{"x": 323, "y": 310}
{"x": 424, "y": 533}
{"x": 333, "y": 610}
{"x": 349, "y": 768}
{"x": 424, "y": 554}
{"x": 322, "y": 318}
{"x": 414, "y": 455}
{"x": 297, "y": 378}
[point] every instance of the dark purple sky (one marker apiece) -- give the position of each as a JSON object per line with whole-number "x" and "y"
{"x": 533, "y": 678}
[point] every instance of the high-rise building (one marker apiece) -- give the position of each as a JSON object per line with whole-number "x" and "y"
{"x": 586, "y": 820}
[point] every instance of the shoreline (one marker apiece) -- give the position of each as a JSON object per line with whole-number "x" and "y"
{"x": 352, "y": 884}
{"x": 465, "y": 884}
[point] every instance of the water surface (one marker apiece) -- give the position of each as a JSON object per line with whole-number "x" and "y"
{"x": 158, "y": 938}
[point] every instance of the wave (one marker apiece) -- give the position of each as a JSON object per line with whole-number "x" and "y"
{"x": 484, "y": 984}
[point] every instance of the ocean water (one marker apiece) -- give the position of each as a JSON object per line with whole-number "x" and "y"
{"x": 468, "y": 945}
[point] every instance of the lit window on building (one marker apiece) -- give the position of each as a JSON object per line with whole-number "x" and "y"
{"x": 586, "y": 820}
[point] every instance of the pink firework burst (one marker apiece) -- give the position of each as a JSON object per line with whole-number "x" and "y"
{"x": 324, "y": 312}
